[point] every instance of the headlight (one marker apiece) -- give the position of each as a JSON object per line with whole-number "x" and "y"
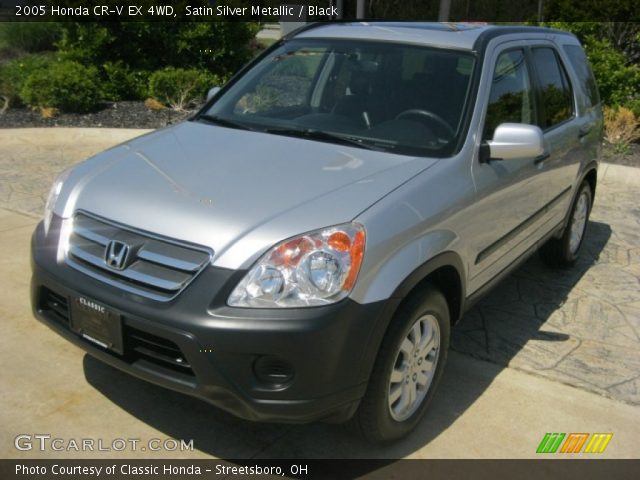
{"x": 56, "y": 188}
{"x": 316, "y": 268}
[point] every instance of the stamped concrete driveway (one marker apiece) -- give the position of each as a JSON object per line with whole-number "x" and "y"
{"x": 578, "y": 327}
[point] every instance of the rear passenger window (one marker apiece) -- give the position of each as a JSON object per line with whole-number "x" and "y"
{"x": 582, "y": 68}
{"x": 510, "y": 99}
{"x": 557, "y": 99}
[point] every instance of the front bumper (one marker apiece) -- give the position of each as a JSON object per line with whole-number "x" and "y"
{"x": 328, "y": 352}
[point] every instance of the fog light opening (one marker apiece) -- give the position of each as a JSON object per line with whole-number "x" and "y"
{"x": 273, "y": 371}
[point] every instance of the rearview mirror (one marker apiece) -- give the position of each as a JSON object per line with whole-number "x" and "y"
{"x": 513, "y": 141}
{"x": 212, "y": 93}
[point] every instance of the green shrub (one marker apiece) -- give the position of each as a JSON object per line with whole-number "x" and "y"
{"x": 30, "y": 36}
{"x": 618, "y": 77}
{"x": 179, "y": 88}
{"x": 13, "y": 75}
{"x": 68, "y": 86}
{"x": 122, "y": 83}
{"x": 217, "y": 47}
{"x": 618, "y": 82}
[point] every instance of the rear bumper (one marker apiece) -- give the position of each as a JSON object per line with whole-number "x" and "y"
{"x": 328, "y": 351}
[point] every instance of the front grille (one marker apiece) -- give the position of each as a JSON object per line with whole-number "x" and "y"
{"x": 157, "y": 350}
{"x": 155, "y": 268}
{"x": 55, "y": 305}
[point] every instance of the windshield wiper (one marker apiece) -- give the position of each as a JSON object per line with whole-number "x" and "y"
{"x": 223, "y": 122}
{"x": 322, "y": 136}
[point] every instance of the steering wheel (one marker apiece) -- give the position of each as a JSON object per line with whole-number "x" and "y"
{"x": 430, "y": 117}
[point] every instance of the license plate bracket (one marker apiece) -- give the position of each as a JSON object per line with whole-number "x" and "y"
{"x": 97, "y": 323}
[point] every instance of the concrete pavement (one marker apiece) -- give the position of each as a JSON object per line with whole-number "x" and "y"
{"x": 31, "y": 158}
{"x": 578, "y": 328}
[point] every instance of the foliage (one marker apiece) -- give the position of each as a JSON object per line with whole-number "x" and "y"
{"x": 123, "y": 83}
{"x": 460, "y": 11}
{"x": 30, "y": 36}
{"x": 617, "y": 75}
{"x": 218, "y": 47}
{"x": 180, "y": 88}
{"x": 621, "y": 128}
{"x": 67, "y": 86}
{"x": 585, "y": 11}
{"x": 13, "y": 75}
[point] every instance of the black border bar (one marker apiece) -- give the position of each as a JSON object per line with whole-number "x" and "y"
{"x": 374, "y": 469}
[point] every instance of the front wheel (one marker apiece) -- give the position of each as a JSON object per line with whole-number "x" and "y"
{"x": 564, "y": 251}
{"x": 408, "y": 368}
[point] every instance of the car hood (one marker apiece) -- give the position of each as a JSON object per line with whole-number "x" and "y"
{"x": 234, "y": 191}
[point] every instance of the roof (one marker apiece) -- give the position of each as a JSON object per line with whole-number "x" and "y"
{"x": 463, "y": 36}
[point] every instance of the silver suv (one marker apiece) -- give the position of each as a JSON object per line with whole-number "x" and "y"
{"x": 300, "y": 248}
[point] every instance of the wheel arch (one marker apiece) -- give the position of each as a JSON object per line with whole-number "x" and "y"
{"x": 445, "y": 272}
{"x": 591, "y": 176}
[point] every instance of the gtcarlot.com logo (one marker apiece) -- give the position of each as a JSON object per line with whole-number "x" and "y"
{"x": 46, "y": 442}
{"x": 574, "y": 442}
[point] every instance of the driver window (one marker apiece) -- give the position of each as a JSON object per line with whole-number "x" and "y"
{"x": 511, "y": 98}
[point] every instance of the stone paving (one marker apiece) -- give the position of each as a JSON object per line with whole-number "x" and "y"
{"x": 580, "y": 326}
{"x": 31, "y": 158}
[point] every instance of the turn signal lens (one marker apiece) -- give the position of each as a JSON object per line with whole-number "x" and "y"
{"x": 316, "y": 268}
{"x": 339, "y": 241}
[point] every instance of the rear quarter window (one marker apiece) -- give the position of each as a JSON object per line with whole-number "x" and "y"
{"x": 581, "y": 66}
{"x": 557, "y": 97}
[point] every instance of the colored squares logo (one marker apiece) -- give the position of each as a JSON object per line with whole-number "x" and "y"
{"x": 574, "y": 443}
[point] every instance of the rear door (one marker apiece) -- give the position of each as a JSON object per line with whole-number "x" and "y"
{"x": 510, "y": 194}
{"x": 558, "y": 119}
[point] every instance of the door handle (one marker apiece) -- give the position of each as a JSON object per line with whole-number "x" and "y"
{"x": 541, "y": 158}
{"x": 584, "y": 131}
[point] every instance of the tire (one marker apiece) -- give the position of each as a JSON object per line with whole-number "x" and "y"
{"x": 381, "y": 416}
{"x": 564, "y": 251}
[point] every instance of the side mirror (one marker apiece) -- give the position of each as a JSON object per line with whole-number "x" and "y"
{"x": 212, "y": 93}
{"x": 513, "y": 141}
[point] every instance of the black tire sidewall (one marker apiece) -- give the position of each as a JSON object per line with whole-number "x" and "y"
{"x": 568, "y": 255}
{"x": 385, "y": 428}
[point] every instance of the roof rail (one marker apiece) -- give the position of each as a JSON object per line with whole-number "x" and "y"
{"x": 303, "y": 28}
{"x": 312, "y": 25}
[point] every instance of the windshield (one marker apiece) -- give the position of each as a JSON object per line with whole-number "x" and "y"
{"x": 399, "y": 98}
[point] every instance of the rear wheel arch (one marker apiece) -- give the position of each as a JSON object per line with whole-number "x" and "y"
{"x": 592, "y": 177}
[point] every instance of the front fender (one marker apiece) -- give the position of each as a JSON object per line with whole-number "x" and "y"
{"x": 397, "y": 274}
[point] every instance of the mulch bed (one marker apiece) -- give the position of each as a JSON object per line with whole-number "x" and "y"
{"x": 112, "y": 115}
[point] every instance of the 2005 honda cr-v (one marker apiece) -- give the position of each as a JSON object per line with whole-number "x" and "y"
{"x": 300, "y": 248}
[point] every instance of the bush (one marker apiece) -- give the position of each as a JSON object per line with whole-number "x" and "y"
{"x": 619, "y": 83}
{"x": 618, "y": 77}
{"x": 179, "y": 88}
{"x": 67, "y": 86}
{"x": 122, "y": 83}
{"x": 621, "y": 128}
{"x": 217, "y": 47}
{"x": 13, "y": 75}
{"x": 30, "y": 36}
